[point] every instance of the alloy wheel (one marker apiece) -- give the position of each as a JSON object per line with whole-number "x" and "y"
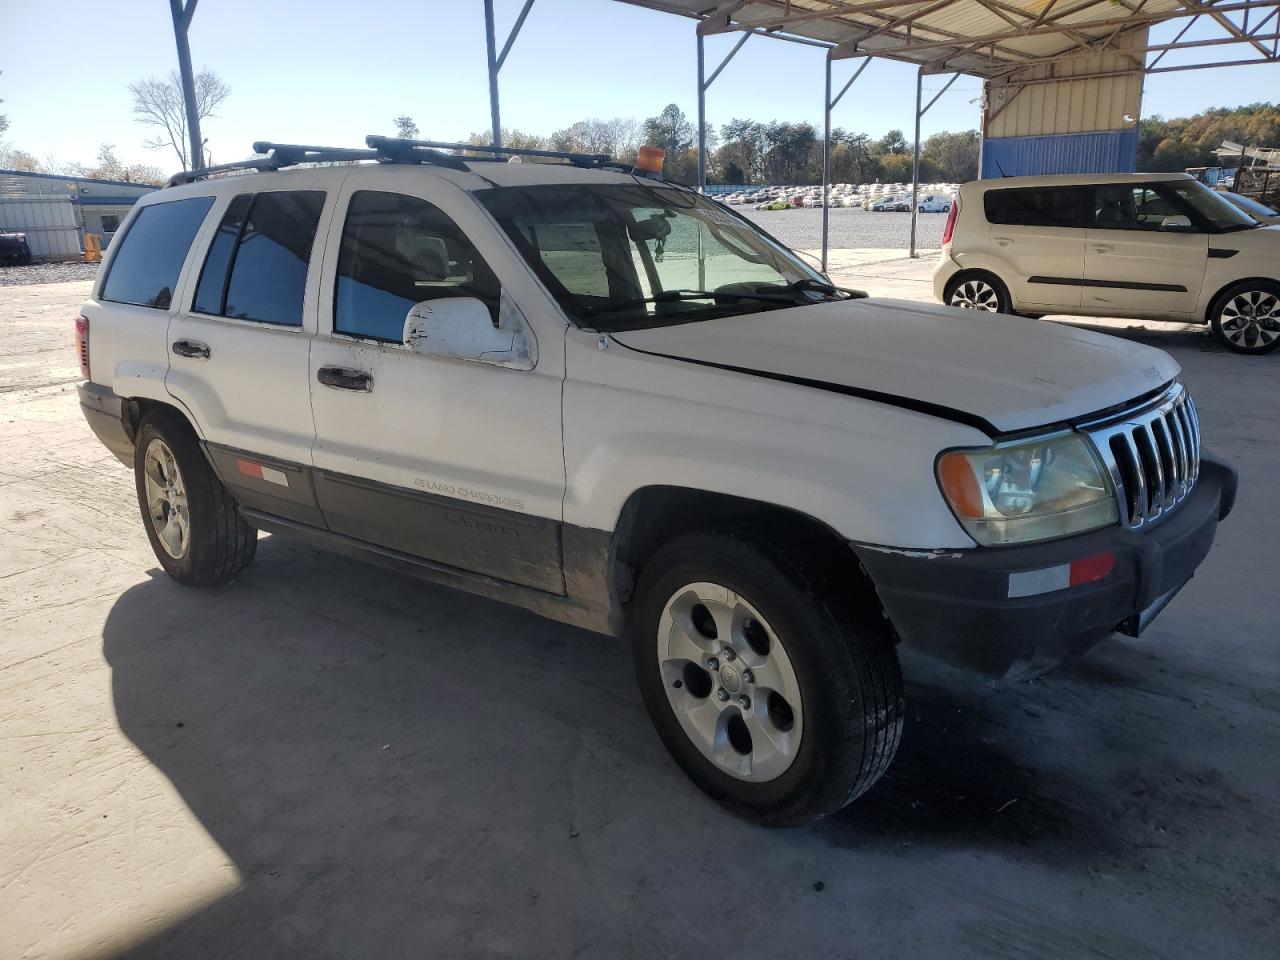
{"x": 1251, "y": 319}
{"x": 976, "y": 295}
{"x": 166, "y": 499}
{"x": 730, "y": 682}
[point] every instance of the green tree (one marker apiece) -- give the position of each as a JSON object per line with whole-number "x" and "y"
{"x": 954, "y": 156}
{"x": 892, "y": 142}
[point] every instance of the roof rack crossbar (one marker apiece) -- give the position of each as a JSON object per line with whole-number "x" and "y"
{"x": 577, "y": 159}
{"x": 410, "y": 151}
{"x": 279, "y": 155}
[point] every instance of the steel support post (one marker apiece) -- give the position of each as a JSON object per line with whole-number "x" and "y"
{"x": 181, "y": 24}
{"x": 915, "y": 163}
{"x": 826, "y": 164}
{"x": 702, "y": 119}
{"x": 491, "y": 46}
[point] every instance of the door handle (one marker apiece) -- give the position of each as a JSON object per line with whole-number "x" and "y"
{"x": 1102, "y": 248}
{"x": 342, "y": 378}
{"x": 1003, "y": 241}
{"x": 191, "y": 348}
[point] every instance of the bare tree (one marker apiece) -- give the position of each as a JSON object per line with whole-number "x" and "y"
{"x": 159, "y": 103}
{"x": 406, "y": 129}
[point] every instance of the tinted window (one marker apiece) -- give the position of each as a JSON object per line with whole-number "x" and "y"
{"x": 398, "y": 251}
{"x": 269, "y": 266}
{"x": 213, "y": 277}
{"x": 145, "y": 268}
{"x": 1035, "y": 206}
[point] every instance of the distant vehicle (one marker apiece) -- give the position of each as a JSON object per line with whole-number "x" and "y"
{"x": 935, "y": 203}
{"x": 14, "y": 249}
{"x": 1259, "y": 211}
{"x": 773, "y": 205}
{"x": 1156, "y": 246}
{"x": 895, "y": 204}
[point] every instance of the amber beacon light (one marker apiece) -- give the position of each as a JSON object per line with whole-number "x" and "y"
{"x": 649, "y": 161}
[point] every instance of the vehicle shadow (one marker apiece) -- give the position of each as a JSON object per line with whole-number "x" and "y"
{"x": 399, "y": 770}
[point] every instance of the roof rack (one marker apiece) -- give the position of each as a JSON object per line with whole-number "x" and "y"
{"x": 278, "y": 155}
{"x": 385, "y": 150}
{"x": 416, "y": 148}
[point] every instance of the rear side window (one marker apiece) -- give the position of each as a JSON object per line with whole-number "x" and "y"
{"x": 398, "y": 251}
{"x": 1035, "y": 206}
{"x": 256, "y": 268}
{"x": 145, "y": 268}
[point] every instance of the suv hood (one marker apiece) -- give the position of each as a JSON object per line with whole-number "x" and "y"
{"x": 1000, "y": 373}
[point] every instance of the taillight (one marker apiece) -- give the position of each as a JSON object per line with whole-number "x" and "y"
{"x": 951, "y": 221}
{"x": 82, "y": 345}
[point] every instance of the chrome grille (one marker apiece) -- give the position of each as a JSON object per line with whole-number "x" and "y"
{"x": 1153, "y": 455}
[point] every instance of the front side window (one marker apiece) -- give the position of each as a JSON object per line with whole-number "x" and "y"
{"x": 149, "y": 258}
{"x": 626, "y": 256}
{"x": 1122, "y": 206}
{"x": 1217, "y": 210}
{"x": 1035, "y": 206}
{"x": 398, "y": 251}
{"x": 256, "y": 267}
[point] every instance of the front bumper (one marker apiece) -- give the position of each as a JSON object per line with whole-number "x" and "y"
{"x": 1003, "y": 611}
{"x": 105, "y": 413}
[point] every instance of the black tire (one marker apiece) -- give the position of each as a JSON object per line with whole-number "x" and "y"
{"x": 218, "y": 543}
{"x": 838, "y": 643}
{"x": 1247, "y": 333}
{"x": 953, "y": 295}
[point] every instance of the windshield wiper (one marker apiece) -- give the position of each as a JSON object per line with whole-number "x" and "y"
{"x": 826, "y": 289}
{"x": 677, "y": 296}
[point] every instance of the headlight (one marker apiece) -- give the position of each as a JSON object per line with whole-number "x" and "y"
{"x": 1027, "y": 490}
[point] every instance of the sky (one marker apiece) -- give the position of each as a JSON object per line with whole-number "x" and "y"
{"x": 324, "y": 71}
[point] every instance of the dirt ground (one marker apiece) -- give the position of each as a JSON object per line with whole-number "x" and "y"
{"x": 325, "y": 759}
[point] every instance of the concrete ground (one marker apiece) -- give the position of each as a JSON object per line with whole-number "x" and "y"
{"x": 326, "y": 760}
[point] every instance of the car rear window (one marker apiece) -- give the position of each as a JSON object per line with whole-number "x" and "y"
{"x": 256, "y": 268}
{"x": 1035, "y": 206}
{"x": 145, "y": 268}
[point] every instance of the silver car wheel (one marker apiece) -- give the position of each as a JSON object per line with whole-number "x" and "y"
{"x": 975, "y": 295}
{"x": 730, "y": 683}
{"x": 1251, "y": 319}
{"x": 166, "y": 499}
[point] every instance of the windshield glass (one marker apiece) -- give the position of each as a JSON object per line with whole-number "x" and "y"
{"x": 626, "y": 256}
{"x": 1215, "y": 208}
{"x": 1250, "y": 205}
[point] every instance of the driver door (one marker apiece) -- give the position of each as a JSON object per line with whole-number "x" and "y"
{"x": 453, "y": 461}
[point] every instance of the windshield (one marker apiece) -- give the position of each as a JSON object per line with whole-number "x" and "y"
{"x": 1251, "y": 206}
{"x": 1212, "y": 205}
{"x": 626, "y": 256}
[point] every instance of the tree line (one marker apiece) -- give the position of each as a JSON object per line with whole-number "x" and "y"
{"x": 1173, "y": 145}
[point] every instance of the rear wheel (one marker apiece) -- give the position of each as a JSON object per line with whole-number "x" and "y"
{"x": 977, "y": 290}
{"x": 778, "y": 695}
{"x": 1246, "y": 317}
{"x": 193, "y": 523}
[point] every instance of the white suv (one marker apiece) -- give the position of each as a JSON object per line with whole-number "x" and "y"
{"x": 607, "y": 399}
{"x": 1158, "y": 246}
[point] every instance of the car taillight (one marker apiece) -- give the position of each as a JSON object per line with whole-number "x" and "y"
{"x": 82, "y": 345}
{"x": 951, "y": 222}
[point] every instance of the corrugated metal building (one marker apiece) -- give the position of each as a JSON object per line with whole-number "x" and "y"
{"x": 1066, "y": 116}
{"x": 55, "y": 212}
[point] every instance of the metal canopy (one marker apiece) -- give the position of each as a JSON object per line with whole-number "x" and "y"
{"x": 992, "y": 38}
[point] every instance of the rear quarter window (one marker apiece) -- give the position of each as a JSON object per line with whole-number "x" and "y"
{"x": 145, "y": 268}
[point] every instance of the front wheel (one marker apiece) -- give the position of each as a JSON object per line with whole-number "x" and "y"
{"x": 778, "y": 695}
{"x": 978, "y": 291}
{"x": 1246, "y": 317}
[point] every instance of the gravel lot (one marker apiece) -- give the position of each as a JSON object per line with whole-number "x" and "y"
{"x": 324, "y": 759}
{"x": 851, "y": 228}
{"x": 47, "y": 273}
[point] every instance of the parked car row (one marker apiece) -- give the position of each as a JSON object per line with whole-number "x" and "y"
{"x": 933, "y": 198}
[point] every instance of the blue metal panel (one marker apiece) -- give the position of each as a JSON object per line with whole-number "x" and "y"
{"x": 1106, "y": 151}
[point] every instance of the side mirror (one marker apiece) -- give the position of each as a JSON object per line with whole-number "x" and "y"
{"x": 462, "y": 328}
{"x": 1176, "y": 222}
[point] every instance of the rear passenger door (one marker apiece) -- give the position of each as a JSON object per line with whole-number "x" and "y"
{"x": 239, "y": 344}
{"x": 1038, "y": 235}
{"x": 1133, "y": 263}
{"x": 449, "y": 460}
